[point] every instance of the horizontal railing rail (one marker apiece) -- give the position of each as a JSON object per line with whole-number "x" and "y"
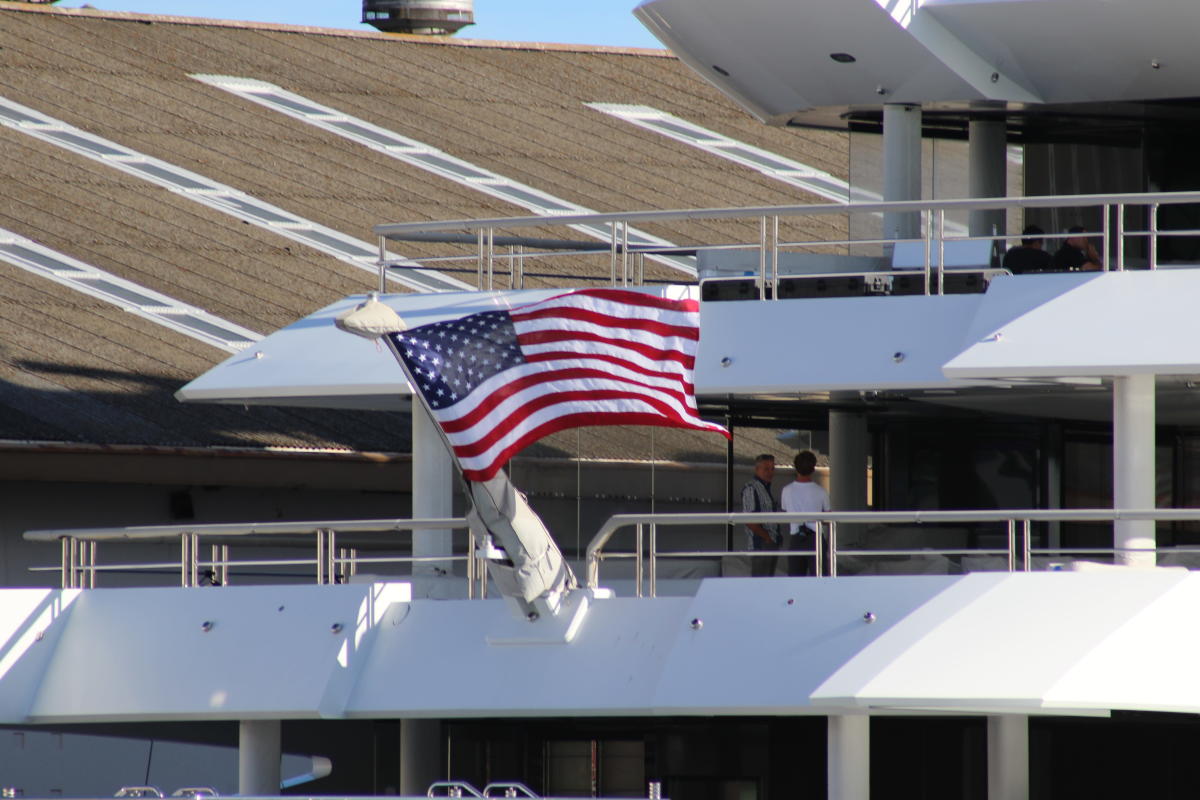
{"x": 333, "y": 564}
{"x": 1019, "y": 551}
{"x": 938, "y": 232}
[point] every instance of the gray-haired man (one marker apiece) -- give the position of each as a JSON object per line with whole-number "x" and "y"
{"x": 756, "y": 496}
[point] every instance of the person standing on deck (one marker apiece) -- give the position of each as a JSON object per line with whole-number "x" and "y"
{"x": 803, "y": 494}
{"x": 756, "y": 496}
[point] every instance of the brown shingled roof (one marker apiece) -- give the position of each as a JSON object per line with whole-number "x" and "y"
{"x": 75, "y": 369}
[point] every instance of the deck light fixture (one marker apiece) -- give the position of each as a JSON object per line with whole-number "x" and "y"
{"x": 720, "y": 70}
{"x": 843, "y": 58}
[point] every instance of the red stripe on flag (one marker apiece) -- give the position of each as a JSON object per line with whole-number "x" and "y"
{"x": 653, "y": 353}
{"x": 477, "y": 414}
{"x": 608, "y": 321}
{"x": 570, "y": 355}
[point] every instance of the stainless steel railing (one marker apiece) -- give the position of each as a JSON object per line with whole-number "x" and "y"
{"x": 624, "y": 256}
{"x": 1019, "y": 551}
{"x": 333, "y": 564}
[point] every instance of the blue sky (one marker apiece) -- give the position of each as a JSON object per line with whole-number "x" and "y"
{"x": 569, "y": 21}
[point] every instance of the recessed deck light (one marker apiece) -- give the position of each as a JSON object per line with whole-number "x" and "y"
{"x": 843, "y": 58}
{"x": 721, "y": 70}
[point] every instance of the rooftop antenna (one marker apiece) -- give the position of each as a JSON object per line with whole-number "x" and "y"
{"x": 430, "y": 17}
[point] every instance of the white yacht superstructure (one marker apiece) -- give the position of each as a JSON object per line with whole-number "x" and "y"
{"x": 981, "y": 408}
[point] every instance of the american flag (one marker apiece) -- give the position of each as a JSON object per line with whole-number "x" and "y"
{"x": 498, "y": 381}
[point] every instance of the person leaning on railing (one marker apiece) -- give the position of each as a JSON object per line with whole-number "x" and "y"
{"x": 1077, "y": 253}
{"x": 1029, "y": 255}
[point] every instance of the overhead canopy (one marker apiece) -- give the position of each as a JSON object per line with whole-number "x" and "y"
{"x": 968, "y": 349}
{"x": 774, "y": 56}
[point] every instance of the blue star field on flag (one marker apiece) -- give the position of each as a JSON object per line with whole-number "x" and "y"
{"x": 449, "y": 359}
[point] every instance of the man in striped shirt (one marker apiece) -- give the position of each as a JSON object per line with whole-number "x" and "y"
{"x": 756, "y": 496}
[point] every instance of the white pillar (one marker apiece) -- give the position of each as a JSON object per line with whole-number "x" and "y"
{"x": 1133, "y": 465}
{"x": 901, "y": 168}
{"x": 420, "y": 755}
{"x": 1008, "y": 757}
{"x": 987, "y": 173}
{"x": 259, "y": 757}
{"x": 849, "y": 447}
{"x": 849, "y": 757}
{"x": 432, "y": 494}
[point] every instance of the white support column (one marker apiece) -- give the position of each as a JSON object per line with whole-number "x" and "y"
{"x": 1008, "y": 757}
{"x": 420, "y": 755}
{"x": 259, "y": 757}
{"x": 432, "y": 492}
{"x": 987, "y": 173}
{"x": 901, "y": 168}
{"x": 1133, "y": 465}
{"x": 849, "y": 447}
{"x": 849, "y": 757}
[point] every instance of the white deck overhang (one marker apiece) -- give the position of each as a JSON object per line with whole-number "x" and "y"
{"x": 1041, "y": 643}
{"x": 773, "y": 56}
{"x": 1053, "y": 327}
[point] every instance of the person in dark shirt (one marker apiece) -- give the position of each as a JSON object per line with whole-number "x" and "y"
{"x": 1077, "y": 253}
{"x": 1029, "y": 256}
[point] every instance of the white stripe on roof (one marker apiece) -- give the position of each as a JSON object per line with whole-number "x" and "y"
{"x": 429, "y": 158}
{"x": 219, "y": 196}
{"x": 134, "y": 298}
{"x": 773, "y": 165}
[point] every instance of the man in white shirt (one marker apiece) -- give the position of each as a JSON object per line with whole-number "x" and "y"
{"x": 803, "y": 494}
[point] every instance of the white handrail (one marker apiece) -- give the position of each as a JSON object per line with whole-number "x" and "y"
{"x": 830, "y": 519}
{"x": 962, "y": 204}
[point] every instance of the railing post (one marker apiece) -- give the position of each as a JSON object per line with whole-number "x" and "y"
{"x": 625, "y": 253}
{"x": 1154, "y": 236}
{"x": 194, "y": 559}
{"x": 479, "y": 239}
{"x": 470, "y": 564}
{"x": 762, "y": 258}
{"x": 612, "y": 227}
{"x": 1012, "y": 545}
{"x": 491, "y": 256}
{"x": 331, "y": 556}
{"x": 184, "y": 544}
{"x": 1120, "y": 237}
{"x": 520, "y": 267}
{"x": 775, "y": 258}
{"x": 928, "y": 253}
{"x": 637, "y": 559}
{"x": 653, "y": 559}
{"x": 512, "y": 273}
{"x": 833, "y": 549}
{"x": 941, "y": 270}
{"x": 817, "y": 547}
{"x": 1027, "y": 534}
{"x": 320, "y": 556}
{"x": 382, "y": 265}
{"x": 91, "y": 565}
{"x": 64, "y": 569}
{"x": 1106, "y": 237}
